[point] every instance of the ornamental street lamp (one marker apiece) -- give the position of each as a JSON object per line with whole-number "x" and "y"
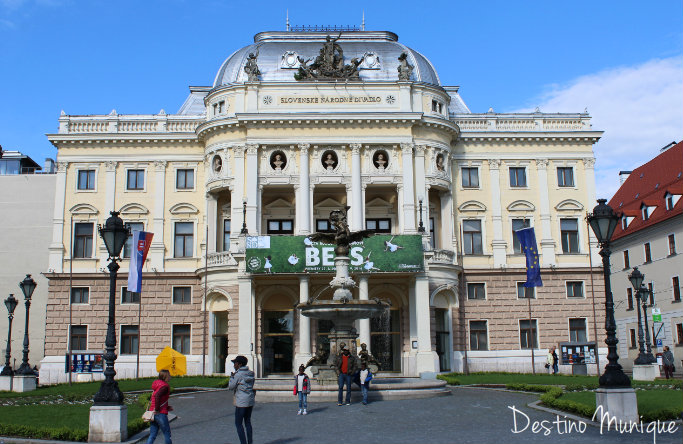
{"x": 644, "y": 293}
{"x": 27, "y": 286}
{"x": 11, "y": 304}
{"x": 421, "y": 227}
{"x": 114, "y": 233}
{"x": 636, "y": 278}
{"x": 244, "y": 217}
{"x": 603, "y": 221}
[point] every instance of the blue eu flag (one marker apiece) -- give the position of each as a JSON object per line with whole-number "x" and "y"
{"x": 527, "y": 240}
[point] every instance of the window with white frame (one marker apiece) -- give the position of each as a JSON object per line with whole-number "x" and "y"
{"x": 472, "y": 236}
{"x": 86, "y": 180}
{"x": 83, "y": 239}
{"x": 470, "y": 177}
{"x": 128, "y": 246}
{"x": 577, "y": 330}
{"x": 478, "y": 335}
{"x": 569, "y": 232}
{"x": 518, "y": 177}
{"x": 130, "y": 339}
{"x": 525, "y": 292}
{"x": 528, "y": 333}
{"x": 184, "y": 239}
{"x": 184, "y": 179}
{"x": 181, "y": 338}
{"x": 676, "y": 288}
{"x": 627, "y": 262}
{"x": 629, "y": 298}
{"x": 679, "y": 333}
{"x": 182, "y": 295}
{"x": 518, "y": 224}
{"x": 574, "y": 289}
{"x": 226, "y": 234}
{"x": 476, "y": 290}
{"x": 135, "y": 180}
{"x": 648, "y": 252}
{"x": 565, "y": 176}
{"x": 79, "y": 337}
{"x": 280, "y": 226}
{"x": 80, "y": 295}
{"x": 378, "y": 225}
{"x": 672, "y": 244}
{"x": 129, "y": 297}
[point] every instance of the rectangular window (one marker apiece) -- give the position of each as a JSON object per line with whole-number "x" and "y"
{"x": 632, "y": 338}
{"x": 629, "y": 298}
{"x": 517, "y": 177}
{"x": 379, "y": 225}
{"x": 648, "y": 253}
{"x": 679, "y": 333}
{"x": 565, "y": 176}
{"x": 672, "y": 244}
{"x": 80, "y": 295}
{"x": 323, "y": 226}
{"x": 676, "y": 288}
{"x": 478, "y": 335}
{"x": 182, "y": 295}
{"x": 476, "y": 291}
{"x": 471, "y": 232}
{"x": 184, "y": 238}
{"x": 627, "y": 263}
{"x": 181, "y": 338}
{"x": 135, "y": 180}
{"x": 129, "y": 297}
{"x": 83, "y": 233}
{"x": 86, "y": 180}
{"x": 79, "y": 337}
{"x": 651, "y": 290}
{"x": 569, "y": 231}
{"x": 128, "y": 246}
{"x": 528, "y": 333}
{"x": 226, "y": 234}
{"x": 184, "y": 179}
{"x": 525, "y": 292}
{"x": 432, "y": 233}
{"x": 574, "y": 289}
{"x": 518, "y": 224}
{"x": 577, "y": 330}
{"x": 470, "y": 177}
{"x": 130, "y": 339}
{"x": 282, "y": 226}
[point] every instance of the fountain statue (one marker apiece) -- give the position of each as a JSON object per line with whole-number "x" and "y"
{"x": 342, "y": 310}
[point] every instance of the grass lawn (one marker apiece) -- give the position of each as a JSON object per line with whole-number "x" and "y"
{"x": 72, "y": 416}
{"x": 539, "y": 378}
{"x": 648, "y": 400}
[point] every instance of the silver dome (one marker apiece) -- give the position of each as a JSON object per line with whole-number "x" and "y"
{"x": 277, "y": 52}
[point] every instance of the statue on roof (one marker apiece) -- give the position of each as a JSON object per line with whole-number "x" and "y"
{"x": 405, "y": 69}
{"x": 329, "y": 64}
{"x": 251, "y": 68}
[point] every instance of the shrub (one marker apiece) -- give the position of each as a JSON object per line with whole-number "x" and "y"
{"x": 530, "y": 387}
{"x": 60, "y": 433}
{"x": 449, "y": 378}
{"x": 224, "y": 383}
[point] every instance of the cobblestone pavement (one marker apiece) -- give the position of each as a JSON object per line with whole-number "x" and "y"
{"x": 468, "y": 416}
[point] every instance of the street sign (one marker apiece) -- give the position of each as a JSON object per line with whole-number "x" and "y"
{"x": 659, "y": 343}
{"x": 656, "y": 315}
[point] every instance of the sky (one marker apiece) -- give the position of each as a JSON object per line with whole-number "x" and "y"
{"x": 620, "y": 60}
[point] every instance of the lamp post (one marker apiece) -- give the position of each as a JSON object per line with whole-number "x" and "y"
{"x": 11, "y": 304}
{"x": 644, "y": 293}
{"x": 636, "y": 278}
{"x": 244, "y": 217}
{"x": 114, "y": 233}
{"x": 603, "y": 221}
{"x": 421, "y": 227}
{"x": 27, "y": 286}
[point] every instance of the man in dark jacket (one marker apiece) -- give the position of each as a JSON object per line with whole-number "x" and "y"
{"x": 345, "y": 366}
{"x": 668, "y": 362}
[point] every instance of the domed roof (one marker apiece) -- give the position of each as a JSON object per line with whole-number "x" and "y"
{"x": 277, "y": 54}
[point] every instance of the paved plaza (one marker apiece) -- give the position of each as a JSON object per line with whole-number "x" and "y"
{"x": 470, "y": 415}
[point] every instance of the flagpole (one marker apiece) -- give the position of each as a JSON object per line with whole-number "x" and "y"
{"x": 71, "y": 277}
{"x": 206, "y": 271}
{"x": 531, "y": 330}
{"x": 137, "y": 362}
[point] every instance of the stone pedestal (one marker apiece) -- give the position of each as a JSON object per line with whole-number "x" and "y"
{"x": 108, "y": 423}
{"x": 619, "y": 403}
{"x": 5, "y": 383}
{"x": 23, "y": 383}
{"x": 646, "y": 372}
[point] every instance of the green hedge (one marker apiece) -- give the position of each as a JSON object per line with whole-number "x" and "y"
{"x": 61, "y": 433}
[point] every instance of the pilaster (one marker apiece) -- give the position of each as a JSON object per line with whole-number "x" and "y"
{"x": 426, "y": 359}
{"x": 303, "y": 202}
{"x": 56, "y": 261}
{"x": 252, "y": 186}
{"x": 498, "y": 243}
{"x": 364, "y": 324}
{"x": 409, "y": 213}
{"x": 589, "y": 171}
{"x": 157, "y": 250}
{"x": 304, "y": 325}
{"x": 547, "y": 241}
{"x": 356, "y": 192}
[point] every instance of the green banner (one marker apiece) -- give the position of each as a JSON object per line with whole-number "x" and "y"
{"x": 298, "y": 254}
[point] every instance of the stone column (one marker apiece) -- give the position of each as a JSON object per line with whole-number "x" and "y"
{"x": 499, "y": 244}
{"x": 238, "y": 193}
{"x": 589, "y": 171}
{"x": 211, "y": 221}
{"x": 304, "y": 353}
{"x": 547, "y": 242}
{"x": 356, "y": 191}
{"x": 157, "y": 250}
{"x": 364, "y": 324}
{"x": 56, "y": 262}
{"x": 246, "y": 316}
{"x": 252, "y": 187}
{"x": 408, "y": 190}
{"x": 426, "y": 359}
{"x": 303, "y": 209}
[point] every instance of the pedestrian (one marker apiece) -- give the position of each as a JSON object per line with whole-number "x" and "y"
{"x": 242, "y": 385}
{"x": 159, "y": 405}
{"x": 302, "y": 387}
{"x": 345, "y": 365}
{"x": 556, "y": 361}
{"x": 365, "y": 378}
{"x": 668, "y": 362}
{"x": 549, "y": 360}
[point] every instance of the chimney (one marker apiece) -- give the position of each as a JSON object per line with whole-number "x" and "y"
{"x": 49, "y": 167}
{"x": 623, "y": 175}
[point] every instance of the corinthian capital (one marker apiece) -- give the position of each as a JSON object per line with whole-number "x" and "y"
{"x": 239, "y": 150}
{"x": 407, "y": 148}
{"x": 111, "y": 165}
{"x": 62, "y": 166}
{"x": 303, "y": 148}
{"x": 420, "y": 150}
{"x": 589, "y": 162}
{"x": 355, "y": 148}
{"x": 541, "y": 164}
{"x": 252, "y": 148}
{"x": 494, "y": 164}
{"x": 160, "y": 165}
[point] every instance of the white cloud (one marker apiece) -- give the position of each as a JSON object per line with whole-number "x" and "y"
{"x": 640, "y": 109}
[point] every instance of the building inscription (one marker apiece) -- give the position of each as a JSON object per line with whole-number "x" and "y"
{"x": 326, "y": 100}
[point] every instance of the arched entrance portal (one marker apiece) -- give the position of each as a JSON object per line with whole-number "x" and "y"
{"x": 219, "y": 305}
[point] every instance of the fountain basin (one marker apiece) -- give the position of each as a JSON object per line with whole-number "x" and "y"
{"x": 343, "y": 313}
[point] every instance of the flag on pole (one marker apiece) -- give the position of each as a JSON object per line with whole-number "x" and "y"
{"x": 141, "y": 242}
{"x": 527, "y": 240}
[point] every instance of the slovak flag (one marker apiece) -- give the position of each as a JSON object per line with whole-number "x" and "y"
{"x": 141, "y": 242}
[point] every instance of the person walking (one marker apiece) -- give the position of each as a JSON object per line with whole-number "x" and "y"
{"x": 159, "y": 405}
{"x": 345, "y": 365}
{"x": 242, "y": 385}
{"x": 302, "y": 387}
{"x": 365, "y": 378}
{"x": 668, "y": 362}
{"x": 556, "y": 360}
{"x": 549, "y": 360}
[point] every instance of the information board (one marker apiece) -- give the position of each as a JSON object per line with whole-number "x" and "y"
{"x": 84, "y": 362}
{"x": 572, "y": 353}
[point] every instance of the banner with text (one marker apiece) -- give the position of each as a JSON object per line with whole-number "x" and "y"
{"x": 298, "y": 254}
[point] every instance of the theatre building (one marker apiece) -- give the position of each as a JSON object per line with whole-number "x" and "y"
{"x": 294, "y": 126}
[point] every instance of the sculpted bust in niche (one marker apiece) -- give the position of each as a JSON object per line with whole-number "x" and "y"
{"x": 380, "y": 160}
{"x": 439, "y": 163}
{"x": 329, "y": 160}
{"x": 217, "y": 164}
{"x": 278, "y": 161}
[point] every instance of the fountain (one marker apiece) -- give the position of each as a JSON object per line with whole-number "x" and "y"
{"x": 343, "y": 310}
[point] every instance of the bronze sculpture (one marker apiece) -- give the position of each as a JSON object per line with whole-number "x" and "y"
{"x": 329, "y": 64}
{"x": 251, "y": 68}
{"x": 405, "y": 69}
{"x": 342, "y": 236}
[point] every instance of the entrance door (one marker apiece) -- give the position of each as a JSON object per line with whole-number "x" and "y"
{"x": 442, "y": 342}
{"x": 220, "y": 340}
{"x": 385, "y": 340}
{"x": 278, "y": 341}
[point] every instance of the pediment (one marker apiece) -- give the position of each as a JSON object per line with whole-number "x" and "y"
{"x": 183, "y": 208}
{"x": 472, "y": 205}
{"x": 378, "y": 202}
{"x": 328, "y": 202}
{"x": 133, "y": 209}
{"x": 569, "y": 205}
{"x": 279, "y": 203}
{"x": 84, "y": 209}
{"x": 521, "y": 205}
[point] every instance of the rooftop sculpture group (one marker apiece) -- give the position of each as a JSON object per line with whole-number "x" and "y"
{"x": 329, "y": 64}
